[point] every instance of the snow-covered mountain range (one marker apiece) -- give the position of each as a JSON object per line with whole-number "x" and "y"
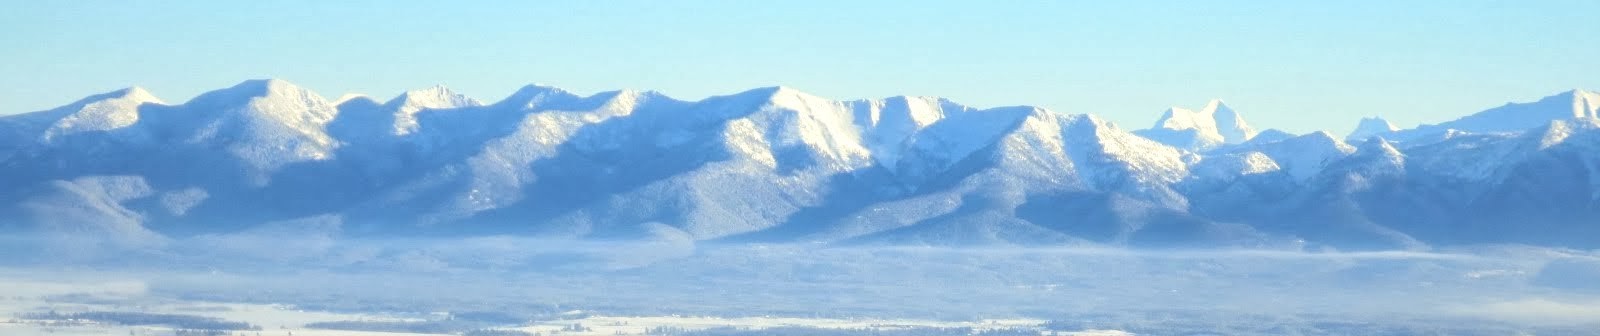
{"x": 780, "y": 165}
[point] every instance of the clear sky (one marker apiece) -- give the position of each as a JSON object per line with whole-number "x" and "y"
{"x": 1296, "y": 65}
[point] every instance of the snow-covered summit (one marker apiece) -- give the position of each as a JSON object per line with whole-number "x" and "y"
{"x": 102, "y": 112}
{"x": 1517, "y": 117}
{"x": 1304, "y": 156}
{"x": 533, "y": 95}
{"x": 1214, "y": 125}
{"x": 409, "y": 103}
{"x": 1377, "y": 155}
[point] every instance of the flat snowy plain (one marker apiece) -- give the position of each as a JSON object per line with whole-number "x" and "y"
{"x": 634, "y": 288}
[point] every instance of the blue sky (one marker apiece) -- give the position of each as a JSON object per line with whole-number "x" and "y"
{"x": 1296, "y": 65}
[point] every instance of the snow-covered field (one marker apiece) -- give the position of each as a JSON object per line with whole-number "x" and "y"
{"x": 1071, "y": 291}
{"x": 19, "y": 296}
{"x": 639, "y": 325}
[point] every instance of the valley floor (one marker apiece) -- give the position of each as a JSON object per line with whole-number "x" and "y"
{"x": 742, "y": 290}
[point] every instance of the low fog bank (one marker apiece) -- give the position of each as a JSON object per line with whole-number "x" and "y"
{"x": 664, "y": 274}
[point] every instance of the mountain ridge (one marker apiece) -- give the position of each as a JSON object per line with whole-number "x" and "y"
{"x": 771, "y": 164}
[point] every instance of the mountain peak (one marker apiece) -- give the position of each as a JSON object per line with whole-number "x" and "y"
{"x": 1375, "y": 156}
{"x": 269, "y": 85}
{"x": 1215, "y": 104}
{"x": 777, "y": 96}
{"x": 132, "y": 94}
{"x": 288, "y": 106}
{"x": 534, "y": 94}
{"x": 1321, "y": 136}
{"x": 1378, "y": 145}
{"x": 101, "y": 112}
{"x": 1370, "y": 127}
{"x": 771, "y": 92}
{"x": 1518, "y": 117}
{"x": 408, "y": 104}
{"x": 435, "y": 97}
{"x": 138, "y": 94}
{"x": 351, "y": 97}
{"x": 255, "y": 88}
{"x": 1214, "y": 125}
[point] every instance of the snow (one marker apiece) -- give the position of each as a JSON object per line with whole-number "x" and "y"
{"x": 637, "y": 325}
{"x": 888, "y": 123}
{"x": 1516, "y": 117}
{"x": 1214, "y": 125}
{"x": 98, "y": 113}
{"x": 1304, "y": 156}
{"x": 345, "y": 98}
{"x": 1376, "y": 156}
{"x": 26, "y": 295}
{"x": 724, "y": 165}
{"x": 1228, "y": 122}
{"x": 532, "y": 95}
{"x": 823, "y": 126}
{"x": 409, "y": 103}
{"x": 1224, "y": 167}
{"x": 1146, "y": 161}
{"x": 943, "y": 144}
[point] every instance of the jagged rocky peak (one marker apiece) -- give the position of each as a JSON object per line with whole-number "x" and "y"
{"x": 1214, "y": 125}
{"x": 1370, "y": 127}
{"x": 435, "y": 97}
{"x": 1229, "y": 123}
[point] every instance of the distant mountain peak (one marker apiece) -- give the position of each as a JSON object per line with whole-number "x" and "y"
{"x": 1214, "y": 125}
{"x": 1519, "y": 117}
{"x": 1370, "y": 127}
{"x": 436, "y": 96}
{"x": 1214, "y": 107}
